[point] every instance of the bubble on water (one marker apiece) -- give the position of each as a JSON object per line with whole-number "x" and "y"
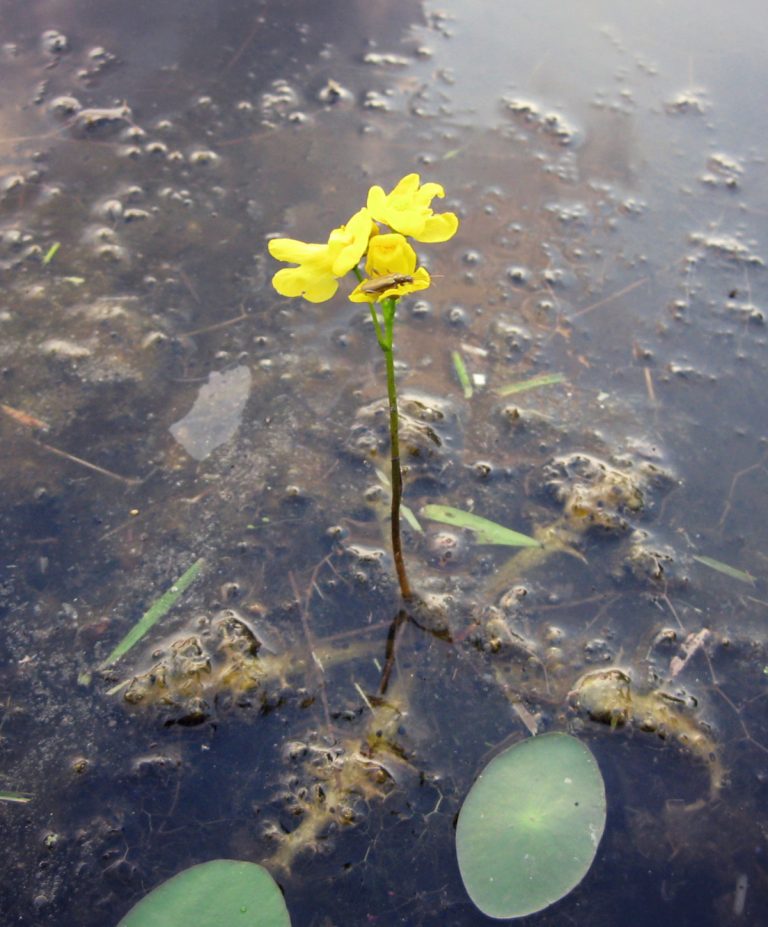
{"x": 111, "y": 253}
{"x": 482, "y": 469}
{"x": 722, "y": 171}
{"x": 135, "y": 215}
{"x": 375, "y": 100}
{"x": 421, "y": 308}
{"x": 133, "y": 134}
{"x": 726, "y": 246}
{"x": 520, "y": 276}
{"x": 446, "y": 546}
{"x": 569, "y": 213}
{"x": 278, "y": 102}
{"x": 110, "y": 209}
{"x": 203, "y": 157}
{"x": 747, "y": 312}
{"x": 64, "y": 349}
{"x": 632, "y": 207}
{"x": 385, "y": 59}
{"x": 65, "y": 106}
{"x": 557, "y": 277}
{"x": 691, "y": 100}
{"x": 156, "y": 149}
{"x": 54, "y": 42}
{"x": 11, "y": 183}
{"x": 333, "y": 93}
{"x": 551, "y": 123}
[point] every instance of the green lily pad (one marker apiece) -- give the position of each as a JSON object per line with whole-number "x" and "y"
{"x": 530, "y": 826}
{"x": 220, "y": 893}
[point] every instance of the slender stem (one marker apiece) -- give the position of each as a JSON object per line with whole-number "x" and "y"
{"x": 385, "y": 335}
{"x": 387, "y": 345}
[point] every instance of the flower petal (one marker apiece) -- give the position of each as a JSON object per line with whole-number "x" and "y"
{"x": 408, "y": 185}
{"x": 439, "y": 227}
{"x": 294, "y": 252}
{"x": 406, "y": 209}
{"x": 376, "y": 200}
{"x": 390, "y": 253}
{"x": 431, "y": 190}
{"x": 309, "y": 282}
{"x": 351, "y": 240}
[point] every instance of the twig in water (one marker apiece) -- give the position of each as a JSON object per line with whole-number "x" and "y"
{"x": 126, "y": 480}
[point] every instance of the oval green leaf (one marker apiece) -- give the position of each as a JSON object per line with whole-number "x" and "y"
{"x": 220, "y": 893}
{"x": 530, "y": 826}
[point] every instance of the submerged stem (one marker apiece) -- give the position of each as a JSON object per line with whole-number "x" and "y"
{"x": 387, "y": 346}
{"x": 385, "y": 335}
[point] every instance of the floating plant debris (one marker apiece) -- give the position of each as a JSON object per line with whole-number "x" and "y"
{"x": 721, "y": 567}
{"x": 522, "y": 386}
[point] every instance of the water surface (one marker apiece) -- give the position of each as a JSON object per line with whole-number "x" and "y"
{"x": 608, "y": 165}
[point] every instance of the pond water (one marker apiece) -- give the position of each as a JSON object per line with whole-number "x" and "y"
{"x": 163, "y": 407}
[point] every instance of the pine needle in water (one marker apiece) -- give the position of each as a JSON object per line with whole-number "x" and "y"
{"x": 462, "y": 374}
{"x": 546, "y": 379}
{"x": 50, "y": 254}
{"x": 156, "y": 611}
{"x": 721, "y": 567}
{"x": 20, "y": 798}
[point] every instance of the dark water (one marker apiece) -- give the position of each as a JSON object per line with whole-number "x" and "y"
{"x": 608, "y": 165}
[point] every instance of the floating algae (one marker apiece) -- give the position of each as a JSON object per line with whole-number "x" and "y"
{"x": 608, "y": 697}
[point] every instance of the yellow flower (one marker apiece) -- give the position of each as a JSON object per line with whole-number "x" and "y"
{"x": 319, "y": 266}
{"x": 391, "y": 269}
{"x": 407, "y": 210}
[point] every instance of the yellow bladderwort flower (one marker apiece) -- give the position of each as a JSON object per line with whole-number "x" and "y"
{"x": 320, "y": 266}
{"x": 406, "y": 209}
{"x": 391, "y": 269}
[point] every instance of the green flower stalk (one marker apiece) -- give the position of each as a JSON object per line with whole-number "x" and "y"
{"x": 391, "y": 271}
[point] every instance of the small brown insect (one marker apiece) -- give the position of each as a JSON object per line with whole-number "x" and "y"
{"x": 382, "y": 284}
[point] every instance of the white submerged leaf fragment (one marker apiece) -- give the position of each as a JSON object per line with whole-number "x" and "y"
{"x": 216, "y": 414}
{"x": 740, "y": 894}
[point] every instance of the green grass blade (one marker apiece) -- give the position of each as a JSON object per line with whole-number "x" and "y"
{"x": 721, "y": 567}
{"x": 486, "y": 532}
{"x": 20, "y": 798}
{"x": 522, "y": 386}
{"x": 412, "y": 520}
{"x": 50, "y": 254}
{"x": 461, "y": 373}
{"x": 156, "y": 611}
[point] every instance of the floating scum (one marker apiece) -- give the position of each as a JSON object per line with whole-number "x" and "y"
{"x": 378, "y": 232}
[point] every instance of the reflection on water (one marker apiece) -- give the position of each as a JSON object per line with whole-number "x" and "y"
{"x": 608, "y": 169}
